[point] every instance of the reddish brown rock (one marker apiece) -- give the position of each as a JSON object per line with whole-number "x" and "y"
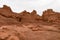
{"x": 34, "y": 12}
{"x": 48, "y": 15}
{"x": 51, "y": 16}
{"x": 29, "y": 26}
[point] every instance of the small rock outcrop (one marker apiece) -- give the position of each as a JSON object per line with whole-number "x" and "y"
{"x": 51, "y": 16}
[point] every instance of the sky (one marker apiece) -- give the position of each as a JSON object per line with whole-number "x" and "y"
{"x": 30, "y": 5}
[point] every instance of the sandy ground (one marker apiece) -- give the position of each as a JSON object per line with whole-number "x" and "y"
{"x": 29, "y": 32}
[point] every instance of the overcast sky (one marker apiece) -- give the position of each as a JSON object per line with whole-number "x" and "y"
{"x": 29, "y": 5}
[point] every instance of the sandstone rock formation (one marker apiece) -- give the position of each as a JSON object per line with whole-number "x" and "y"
{"x": 51, "y": 16}
{"x": 29, "y": 26}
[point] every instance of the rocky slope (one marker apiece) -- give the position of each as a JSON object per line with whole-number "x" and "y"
{"x": 29, "y": 26}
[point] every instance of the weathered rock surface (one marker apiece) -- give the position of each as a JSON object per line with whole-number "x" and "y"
{"x": 29, "y": 26}
{"x": 51, "y": 16}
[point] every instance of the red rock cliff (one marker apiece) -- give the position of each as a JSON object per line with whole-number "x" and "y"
{"x": 48, "y": 15}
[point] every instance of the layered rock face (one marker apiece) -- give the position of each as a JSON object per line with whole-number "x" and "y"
{"x": 20, "y": 17}
{"x": 51, "y": 16}
{"x": 29, "y": 26}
